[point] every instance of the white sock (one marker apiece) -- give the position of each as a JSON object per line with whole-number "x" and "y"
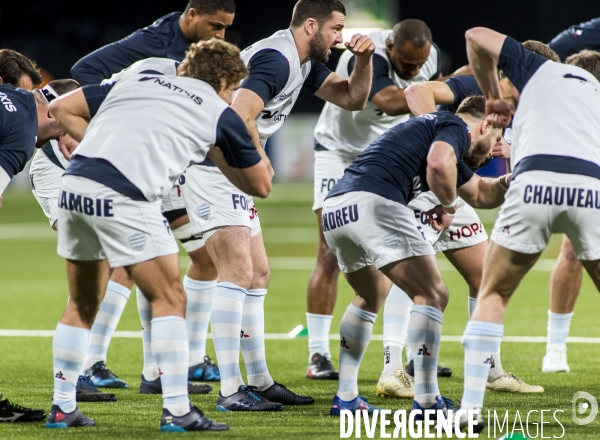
{"x": 355, "y": 332}
{"x": 396, "y": 314}
{"x": 472, "y": 304}
{"x": 150, "y": 370}
{"x": 318, "y": 334}
{"x": 226, "y": 323}
{"x": 106, "y": 321}
{"x": 253, "y": 339}
{"x": 200, "y": 296}
{"x": 69, "y": 347}
{"x": 170, "y": 349}
{"x": 558, "y": 328}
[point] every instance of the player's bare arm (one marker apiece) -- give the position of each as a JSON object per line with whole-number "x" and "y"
{"x": 423, "y": 98}
{"x": 72, "y": 113}
{"x": 254, "y": 180}
{"x": 352, "y": 94}
{"x": 485, "y": 192}
{"x": 248, "y": 106}
{"x": 483, "y": 49}
{"x": 392, "y": 101}
{"x": 441, "y": 178}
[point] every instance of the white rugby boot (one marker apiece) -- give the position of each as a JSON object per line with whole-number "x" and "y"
{"x": 509, "y": 383}
{"x": 555, "y": 360}
{"x": 396, "y": 386}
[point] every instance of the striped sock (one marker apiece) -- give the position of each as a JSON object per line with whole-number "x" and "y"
{"x": 318, "y": 334}
{"x": 253, "y": 339}
{"x": 200, "y": 295}
{"x": 408, "y": 351}
{"x": 396, "y": 314}
{"x": 496, "y": 369}
{"x": 558, "y": 327}
{"x": 171, "y": 351}
{"x": 355, "y": 332}
{"x": 226, "y": 324}
{"x": 106, "y": 321}
{"x": 424, "y": 334}
{"x": 150, "y": 368}
{"x": 69, "y": 347}
{"x": 481, "y": 341}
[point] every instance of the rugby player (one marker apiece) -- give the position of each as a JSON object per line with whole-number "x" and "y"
{"x": 565, "y": 281}
{"x": 110, "y": 207}
{"x": 169, "y": 37}
{"x": 464, "y": 243}
{"x": 18, "y": 71}
{"x": 403, "y": 56}
{"x": 375, "y": 235}
{"x": 550, "y": 192}
{"x": 227, "y": 218}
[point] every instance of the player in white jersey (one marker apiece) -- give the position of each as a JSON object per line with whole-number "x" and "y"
{"x": 227, "y": 219}
{"x": 110, "y": 207}
{"x": 403, "y": 56}
{"x": 552, "y": 190}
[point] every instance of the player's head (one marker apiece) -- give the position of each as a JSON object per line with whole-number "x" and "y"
{"x": 48, "y": 127}
{"x": 204, "y": 19}
{"x": 483, "y": 135}
{"x": 18, "y": 70}
{"x": 321, "y": 22}
{"x": 588, "y": 60}
{"x": 216, "y": 62}
{"x": 408, "y": 47}
{"x": 509, "y": 91}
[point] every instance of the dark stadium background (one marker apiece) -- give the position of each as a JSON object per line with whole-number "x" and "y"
{"x": 56, "y": 33}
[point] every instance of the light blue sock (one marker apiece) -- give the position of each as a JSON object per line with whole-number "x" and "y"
{"x": 171, "y": 352}
{"x": 558, "y": 327}
{"x": 472, "y": 304}
{"x": 106, "y": 322}
{"x": 253, "y": 339}
{"x": 226, "y": 324}
{"x": 69, "y": 348}
{"x": 481, "y": 341}
{"x": 200, "y": 296}
{"x": 355, "y": 333}
{"x": 424, "y": 334}
{"x": 396, "y": 314}
{"x": 150, "y": 370}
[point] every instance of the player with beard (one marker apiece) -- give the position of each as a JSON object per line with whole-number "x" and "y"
{"x": 227, "y": 219}
{"x": 375, "y": 235}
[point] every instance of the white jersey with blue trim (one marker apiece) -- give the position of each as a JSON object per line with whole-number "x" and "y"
{"x": 558, "y": 115}
{"x": 279, "y": 107}
{"x": 151, "y": 127}
{"x": 349, "y": 133}
{"x": 164, "y": 66}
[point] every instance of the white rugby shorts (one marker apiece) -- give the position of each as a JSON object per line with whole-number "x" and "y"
{"x": 95, "y": 223}
{"x": 46, "y": 179}
{"x": 364, "y": 229}
{"x": 540, "y": 203}
{"x": 174, "y": 200}
{"x": 328, "y": 169}
{"x": 213, "y": 202}
{"x": 465, "y": 231}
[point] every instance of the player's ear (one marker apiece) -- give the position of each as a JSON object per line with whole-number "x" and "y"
{"x": 389, "y": 45}
{"x": 222, "y": 84}
{"x": 311, "y": 27}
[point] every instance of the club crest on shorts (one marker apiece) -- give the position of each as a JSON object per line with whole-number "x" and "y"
{"x": 392, "y": 240}
{"x": 204, "y": 211}
{"x": 137, "y": 241}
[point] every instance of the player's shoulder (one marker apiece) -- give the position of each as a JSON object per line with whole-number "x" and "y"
{"x": 281, "y": 41}
{"x": 164, "y": 23}
{"x": 15, "y": 104}
{"x": 155, "y": 66}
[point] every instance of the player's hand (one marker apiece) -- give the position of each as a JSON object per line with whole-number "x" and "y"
{"x": 501, "y": 149}
{"x": 499, "y": 112}
{"x": 67, "y": 145}
{"x": 360, "y": 45}
{"x": 438, "y": 219}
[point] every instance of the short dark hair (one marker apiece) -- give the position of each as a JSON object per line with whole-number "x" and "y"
{"x": 588, "y": 60}
{"x": 63, "y": 86}
{"x": 411, "y": 31}
{"x": 320, "y": 10}
{"x": 473, "y": 105}
{"x": 211, "y": 7}
{"x": 14, "y": 65}
{"x": 542, "y": 50}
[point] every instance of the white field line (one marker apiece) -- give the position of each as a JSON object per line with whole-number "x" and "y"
{"x": 285, "y": 336}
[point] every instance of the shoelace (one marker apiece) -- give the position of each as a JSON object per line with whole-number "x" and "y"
{"x": 511, "y": 375}
{"x": 403, "y": 379}
{"x": 208, "y": 360}
{"x": 103, "y": 372}
{"x": 17, "y": 406}
{"x": 448, "y": 402}
{"x": 250, "y": 392}
{"x": 87, "y": 384}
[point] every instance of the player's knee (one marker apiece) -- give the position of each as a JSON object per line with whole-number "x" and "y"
{"x": 88, "y": 310}
{"x": 261, "y": 277}
{"x": 176, "y": 296}
{"x": 327, "y": 260}
{"x": 440, "y": 296}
